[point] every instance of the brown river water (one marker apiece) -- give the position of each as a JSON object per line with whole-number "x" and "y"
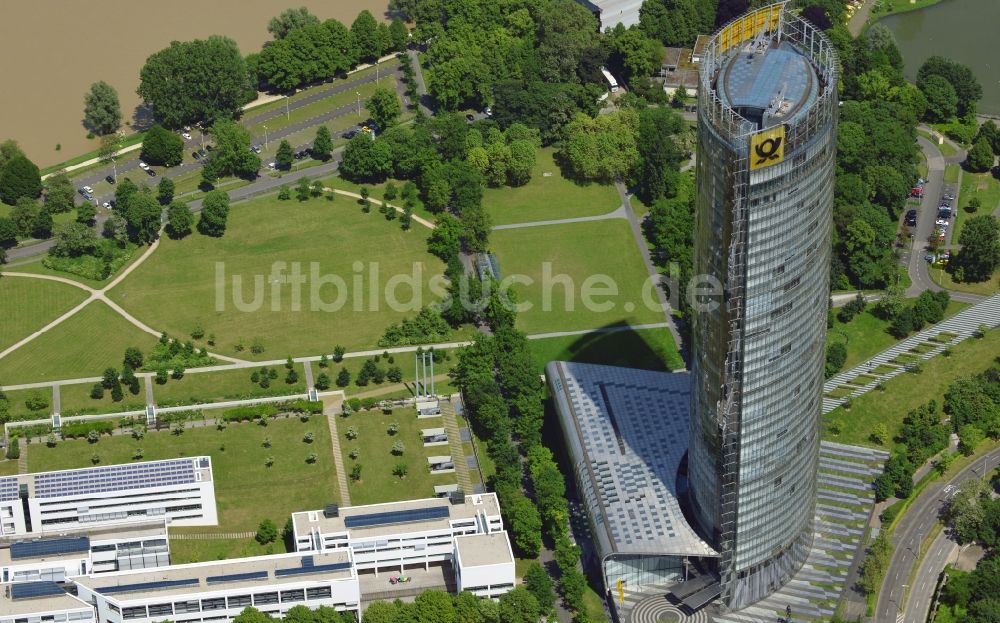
{"x": 52, "y": 50}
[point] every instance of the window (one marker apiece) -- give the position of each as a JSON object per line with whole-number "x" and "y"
{"x": 779, "y": 270}
{"x": 160, "y": 609}
{"x": 213, "y": 604}
{"x": 323, "y": 592}
{"x": 134, "y": 613}
{"x": 296, "y": 595}
{"x": 239, "y": 601}
{"x": 265, "y": 598}
{"x": 777, "y": 482}
{"x": 187, "y": 606}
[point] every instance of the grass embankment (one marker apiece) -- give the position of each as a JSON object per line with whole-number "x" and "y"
{"x": 908, "y": 391}
{"x": 177, "y": 288}
{"x": 648, "y": 349}
{"x": 244, "y": 486}
{"x": 951, "y": 173}
{"x": 982, "y": 186}
{"x": 81, "y": 346}
{"x": 576, "y": 252}
{"x": 27, "y": 305}
{"x": 983, "y": 288}
{"x": 374, "y": 446}
{"x": 548, "y": 196}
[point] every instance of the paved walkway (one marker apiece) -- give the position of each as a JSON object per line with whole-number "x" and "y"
{"x": 310, "y": 383}
{"x": 857, "y": 22}
{"x": 455, "y": 443}
{"x": 619, "y": 213}
{"x": 616, "y": 329}
{"x": 22, "y": 459}
{"x": 963, "y": 324}
{"x": 207, "y": 536}
{"x": 331, "y": 409}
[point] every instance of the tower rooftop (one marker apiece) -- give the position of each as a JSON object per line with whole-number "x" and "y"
{"x": 768, "y": 86}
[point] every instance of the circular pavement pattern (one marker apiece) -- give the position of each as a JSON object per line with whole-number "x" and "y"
{"x": 657, "y": 609}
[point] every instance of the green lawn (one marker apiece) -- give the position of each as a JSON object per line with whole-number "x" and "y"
{"x": 76, "y": 400}
{"x": 228, "y": 384}
{"x": 579, "y": 250}
{"x": 374, "y": 445}
{"x": 648, "y": 349}
{"x": 17, "y": 403}
{"x": 867, "y": 335}
{"x": 951, "y": 172}
{"x": 27, "y": 305}
{"x": 984, "y": 288}
{"x": 908, "y": 391}
{"x": 8, "y": 468}
{"x": 548, "y": 196}
{"x": 176, "y": 288}
{"x": 405, "y": 362}
{"x": 244, "y": 487}
{"x": 83, "y": 345}
{"x": 981, "y": 185}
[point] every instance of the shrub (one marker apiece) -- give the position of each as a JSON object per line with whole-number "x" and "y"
{"x": 352, "y": 433}
{"x": 311, "y": 458}
{"x": 248, "y": 413}
{"x": 14, "y": 450}
{"x": 400, "y": 469}
{"x": 95, "y": 458}
{"x": 356, "y": 472}
{"x": 354, "y": 454}
{"x": 97, "y": 391}
{"x": 267, "y": 532}
{"x": 269, "y": 461}
{"x": 309, "y": 437}
{"x": 393, "y": 428}
{"x": 398, "y": 448}
{"x": 138, "y": 454}
{"x": 93, "y": 436}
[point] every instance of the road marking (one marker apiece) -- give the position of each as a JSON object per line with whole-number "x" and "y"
{"x": 900, "y": 617}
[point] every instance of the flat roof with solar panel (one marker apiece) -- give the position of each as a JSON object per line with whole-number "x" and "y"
{"x": 44, "y": 548}
{"x": 397, "y": 517}
{"x": 37, "y": 598}
{"x": 225, "y": 574}
{"x": 109, "y": 478}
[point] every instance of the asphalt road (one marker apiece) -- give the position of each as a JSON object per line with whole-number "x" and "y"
{"x": 915, "y": 525}
{"x": 129, "y": 164}
{"x": 919, "y": 603}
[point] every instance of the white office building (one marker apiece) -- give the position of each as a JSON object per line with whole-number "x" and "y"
{"x": 35, "y": 602}
{"x": 220, "y": 590}
{"x": 123, "y": 547}
{"x": 427, "y": 532}
{"x": 178, "y": 491}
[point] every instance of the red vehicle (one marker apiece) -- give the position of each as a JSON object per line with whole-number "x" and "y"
{"x": 917, "y": 191}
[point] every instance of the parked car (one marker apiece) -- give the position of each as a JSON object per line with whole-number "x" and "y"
{"x": 151, "y": 172}
{"x": 196, "y": 155}
{"x": 86, "y": 195}
{"x": 202, "y": 153}
{"x": 110, "y": 179}
{"x": 106, "y": 205}
{"x": 350, "y": 134}
{"x": 256, "y": 149}
{"x": 186, "y": 135}
{"x": 470, "y": 117}
{"x": 143, "y": 166}
{"x": 942, "y": 222}
{"x": 272, "y": 165}
{"x": 88, "y": 189}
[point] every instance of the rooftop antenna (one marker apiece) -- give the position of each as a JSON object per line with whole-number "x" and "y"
{"x": 774, "y": 106}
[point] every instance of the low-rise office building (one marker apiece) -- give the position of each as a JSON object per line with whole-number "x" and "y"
{"x": 397, "y": 535}
{"x": 36, "y": 557}
{"x": 35, "y": 602}
{"x": 220, "y": 590}
{"x": 179, "y": 491}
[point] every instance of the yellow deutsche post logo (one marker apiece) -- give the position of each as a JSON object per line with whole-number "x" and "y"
{"x": 767, "y": 147}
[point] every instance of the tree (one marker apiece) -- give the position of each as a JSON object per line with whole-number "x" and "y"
{"x": 343, "y": 378}
{"x": 526, "y": 525}
{"x": 214, "y": 212}
{"x": 59, "y": 194}
{"x": 960, "y": 77}
{"x": 965, "y": 509}
{"x": 267, "y": 532}
{"x": 980, "y": 157}
{"x": 284, "y": 157}
{"x": 836, "y": 356}
{"x": 143, "y": 218}
{"x": 23, "y": 215}
{"x": 383, "y": 107}
{"x": 659, "y": 155}
{"x": 179, "y": 220}
{"x": 123, "y": 195}
{"x": 990, "y": 132}
{"x": 41, "y": 225}
{"x": 366, "y": 160}
{"x": 519, "y": 606}
{"x": 969, "y": 438}
{"x": 8, "y": 232}
{"x": 196, "y": 80}
{"x": 322, "y": 381}
{"x": 289, "y": 20}
{"x": 102, "y": 113}
{"x": 161, "y": 146}
{"x": 434, "y": 606}
{"x": 538, "y": 582}
{"x": 322, "y": 147}
{"x": 942, "y": 102}
{"x": 302, "y": 189}
{"x": 979, "y": 256}
{"x": 133, "y": 358}
{"x": 522, "y": 161}
{"x": 165, "y": 191}
{"x": 602, "y": 149}
{"x": 364, "y": 33}
{"x": 398, "y": 34}
{"x": 19, "y": 177}
{"x": 232, "y": 154}
{"x": 86, "y": 213}
{"x": 880, "y": 434}
{"x": 400, "y": 470}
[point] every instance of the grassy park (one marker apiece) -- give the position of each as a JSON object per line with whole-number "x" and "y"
{"x": 908, "y": 391}
{"x": 984, "y": 288}
{"x": 983, "y": 186}
{"x": 649, "y": 349}
{"x": 548, "y": 196}
{"x": 176, "y": 290}
{"x": 227, "y": 384}
{"x": 27, "y": 305}
{"x": 84, "y": 345}
{"x": 244, "y": 485}
{"x": 76, "y": 400}
{"x": 579, "y": 250}
{"x": 374, "y": 446}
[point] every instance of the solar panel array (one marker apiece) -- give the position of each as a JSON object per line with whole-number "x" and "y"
{"x": 114, "y": 478}
{"x": 146, "y": 586}
{"x": 49, "y": 547}
{"x": 236, "y": 577}
{"x": 337, "y": 566}
{"x": 8, "y": 489}
{"x": 33, "y": 590}
{"x": 396, "y": 517}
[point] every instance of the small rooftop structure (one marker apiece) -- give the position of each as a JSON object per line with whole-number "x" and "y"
{"x": 671, "y": 58}
{"x": 614, "y": 12}
{"x": 698, "y": 51}
{"x": 33, "y": 600}
{"x": 768, "y": 83}
{"x": 480, "y": 550}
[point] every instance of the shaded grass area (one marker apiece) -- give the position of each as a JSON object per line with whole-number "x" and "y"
{"x": 374, "y": 445}
{"x": 227, "y": 384}
{"x": 647, "y": 349}
{"x": 951, "y": 172}
{"x": 245, "y": 488}
{"x": 601, "y": 254}
{"x": 176, "y": 288}
{"x": 17, "y": 403}
{"x": 984, "y": 288}
{"x": 908, "y": 391}
{"x": 548, "y": 196}
{"x": 76, "y": 400}
{"x": 84, "y": 345}
{"x": 983, "y": 186}
{"x": 27, "y": 305}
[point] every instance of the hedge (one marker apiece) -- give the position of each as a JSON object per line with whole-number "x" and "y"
{"x": 249, "y": 413}
{"x": 82, "y": 429}
{"x": 312, "y": 407}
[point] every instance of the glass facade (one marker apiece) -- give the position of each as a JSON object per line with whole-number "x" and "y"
{"x": 764, "y": 233}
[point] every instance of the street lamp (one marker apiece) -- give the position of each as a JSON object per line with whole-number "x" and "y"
{"x": 287, "y": 113}
{"x": 265, "y": 137}
{"x": 358, "y": 93}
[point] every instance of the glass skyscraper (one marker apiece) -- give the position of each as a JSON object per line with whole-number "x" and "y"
{"x": 767, "y": 118}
